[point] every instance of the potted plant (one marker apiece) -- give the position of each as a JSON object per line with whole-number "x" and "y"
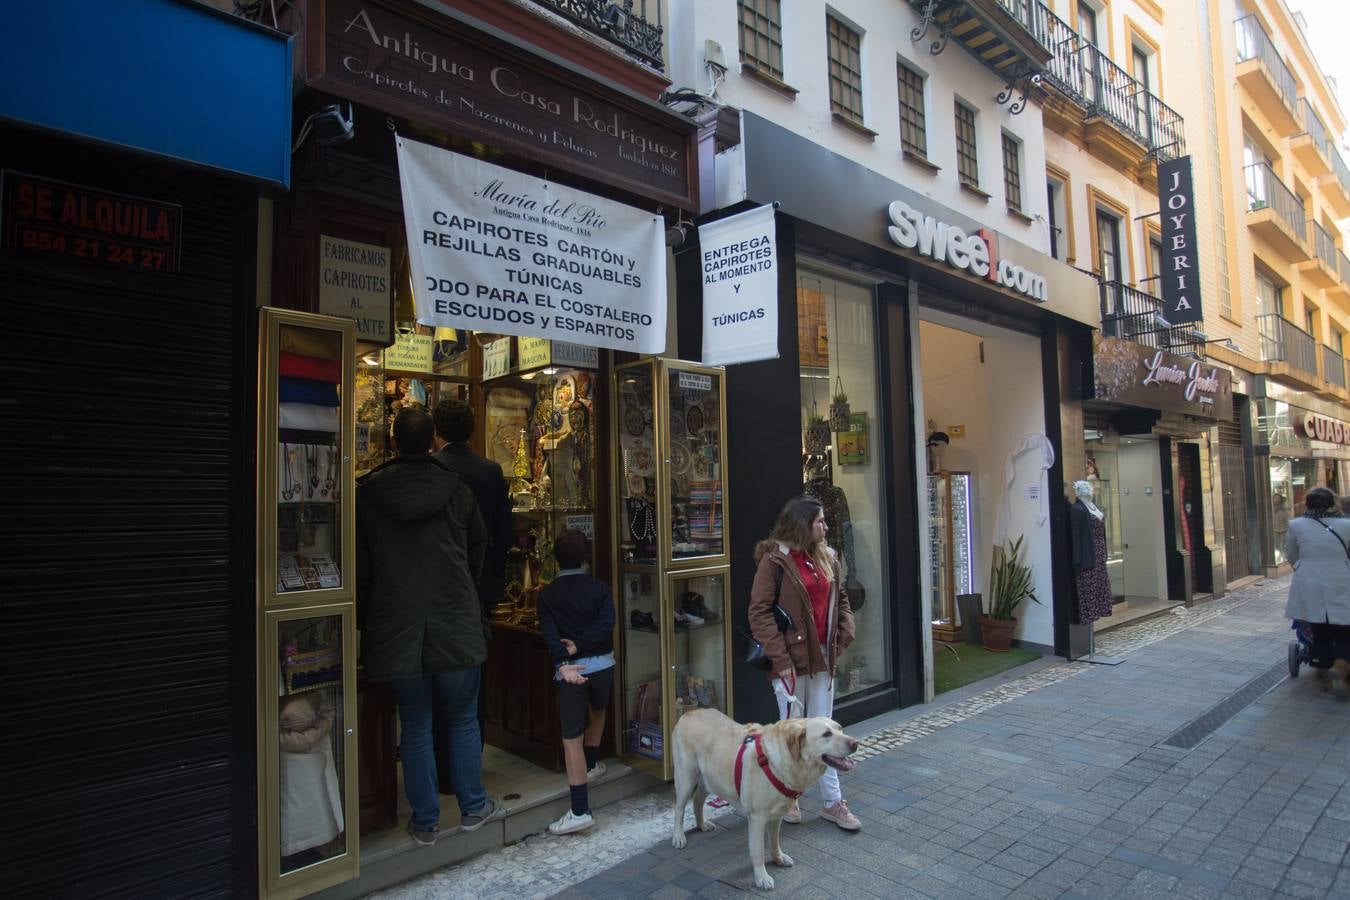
{"x": 817, "y": 436}
{"x": 1010, "y": 582}
{"x": 840, "y": 418}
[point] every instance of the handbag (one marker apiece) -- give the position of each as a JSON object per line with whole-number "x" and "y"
{"x": 754, "y": 653}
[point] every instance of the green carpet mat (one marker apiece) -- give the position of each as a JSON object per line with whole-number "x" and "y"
{"x": 974, "y": 663}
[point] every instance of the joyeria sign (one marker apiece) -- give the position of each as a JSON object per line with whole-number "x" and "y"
{"x": 1321, "y": 428}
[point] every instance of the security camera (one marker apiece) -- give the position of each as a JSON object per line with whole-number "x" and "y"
{"x": 676, "y": 234}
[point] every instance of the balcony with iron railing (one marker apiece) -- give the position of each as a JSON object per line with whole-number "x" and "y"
{"x": 634, "y": 26}
{"x": 1333, "y": 368}
{"x": 1336, "y": 186}
{"x": 1290, "y": 350}
{"x": 1312, "y": 146}
{"x": 1115, "y": 105}
{"x": 1340, "y": 289}
{"x": 1133, "y": 315}
{"x": 1322, "y": 270}
{"x": 1265, "y": 75}
{"x": 1275, "y": 213}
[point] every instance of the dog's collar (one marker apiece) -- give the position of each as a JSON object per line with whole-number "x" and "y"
{"x": 764, "y": 766}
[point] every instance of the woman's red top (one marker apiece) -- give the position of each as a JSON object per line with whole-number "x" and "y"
{"x": 818, "y": 589}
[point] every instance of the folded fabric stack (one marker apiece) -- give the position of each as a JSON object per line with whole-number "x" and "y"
{"x": 704, "y": 514}
{"x": 309, "y": 415}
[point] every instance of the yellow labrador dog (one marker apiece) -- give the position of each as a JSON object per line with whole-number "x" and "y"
{"x": 760, "y": 768}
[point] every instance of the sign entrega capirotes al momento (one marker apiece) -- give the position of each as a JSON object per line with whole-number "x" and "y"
{"x": 1136, "y": 375}
{"x": 409, "y": 61}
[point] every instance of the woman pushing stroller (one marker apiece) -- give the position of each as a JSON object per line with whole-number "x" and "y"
{"x": 1318, "y": 547}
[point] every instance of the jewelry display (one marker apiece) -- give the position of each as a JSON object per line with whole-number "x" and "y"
{"x": 290, "y": 483}
{"x": 693, "y": 420}
{"x": 312, "y": 467}
{"x": 641, "y": 520}
{"x": 330, "y": 474}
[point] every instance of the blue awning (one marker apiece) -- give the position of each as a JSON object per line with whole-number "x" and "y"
{"x": 173, "y": 78}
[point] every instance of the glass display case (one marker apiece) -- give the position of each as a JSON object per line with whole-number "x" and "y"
{"x": 539, "y": 418}
{"x": 306, "y": 646}
{"x": 423, "y": 367}
{"x": 539, "y": 426}
{"x": 673, "y": 567}
{"x": 950, "y": 542}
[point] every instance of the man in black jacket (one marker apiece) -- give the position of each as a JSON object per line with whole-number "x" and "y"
{"x": 420, "y": 542}
{"x": 454, "y": 426}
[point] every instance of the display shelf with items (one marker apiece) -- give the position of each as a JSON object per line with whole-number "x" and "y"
{"x": 305, "y": 416}
{"x": 539, "y": 427}
{"x": 389, "y": 380}
{"x": 538, "y": 421}
{"x": 308, "y": 771}
{"x": 672, "y": 569}
{"x": 950, "y": 542}
{"x": 306, "y": 645}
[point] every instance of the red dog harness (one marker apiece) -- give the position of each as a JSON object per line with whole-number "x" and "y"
{"x": 764, "y": 765}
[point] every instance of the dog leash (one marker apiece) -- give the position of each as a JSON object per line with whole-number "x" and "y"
{"x": 763, "y": 761}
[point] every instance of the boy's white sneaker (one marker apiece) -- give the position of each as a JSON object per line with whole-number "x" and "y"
{"x": 571, "y": 823}
{"x": 596, "y": 771}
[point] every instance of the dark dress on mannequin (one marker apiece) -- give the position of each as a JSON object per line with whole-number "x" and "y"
{"x": 1089, "y": 565}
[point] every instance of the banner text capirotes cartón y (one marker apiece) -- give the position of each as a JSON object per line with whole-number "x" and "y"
{"x": 494, "y": 250}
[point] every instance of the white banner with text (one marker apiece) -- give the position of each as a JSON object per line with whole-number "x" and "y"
{"x": 740, "y": 288}
{"x": 497, "y": 251}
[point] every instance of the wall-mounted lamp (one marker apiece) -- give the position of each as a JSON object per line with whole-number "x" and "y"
{"x": 329, "y": 125}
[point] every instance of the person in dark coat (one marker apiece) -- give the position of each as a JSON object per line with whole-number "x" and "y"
{"x": 420, "y": 542}
{"x": 454, "y": 426}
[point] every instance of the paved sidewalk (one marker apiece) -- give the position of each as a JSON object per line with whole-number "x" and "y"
{"x": 1061, "y": 783}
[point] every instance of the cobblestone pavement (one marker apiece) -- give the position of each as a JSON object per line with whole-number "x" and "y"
{"x": 1060, "y": 783}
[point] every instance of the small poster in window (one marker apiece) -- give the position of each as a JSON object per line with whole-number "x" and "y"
{"x": 852, "y": 444}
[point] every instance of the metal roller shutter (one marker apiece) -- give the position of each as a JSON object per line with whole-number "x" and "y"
{"x": 1233, "y": 473}
{"x": 126, "y": 610}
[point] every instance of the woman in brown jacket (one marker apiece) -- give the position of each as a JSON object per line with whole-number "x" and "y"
{"x": 799, "y": 570}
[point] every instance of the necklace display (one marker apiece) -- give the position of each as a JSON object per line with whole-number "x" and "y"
{"x": 312, "y": 467}
{"x": 641, "y": 520}
{"x": 289, "y": 487}
{"x": 330, "y": 473}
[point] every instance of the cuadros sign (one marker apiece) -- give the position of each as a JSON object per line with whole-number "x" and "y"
{"x": 976, "y": 253}
{"x": 1321, "y": 428}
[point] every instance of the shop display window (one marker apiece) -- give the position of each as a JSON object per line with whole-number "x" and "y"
{"x": 841, "y": 452}
{"x": 539, "y": 426}
{"x": 700, "y": 644}
{"x": 310, "y": 752}
{"x": 309, "y": 459}
{"x": 696, "y": 502}
{"x": 639, "y": 613}
{"x": 672, "y": 572}
{"x": 637, "y": 453}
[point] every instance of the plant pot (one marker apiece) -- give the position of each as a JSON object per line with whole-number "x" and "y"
{"x": 840, "y": 416}
{"x": 817, "y": 437}
{"x": 968, "y": 607}
{"x": 996, "y": 634}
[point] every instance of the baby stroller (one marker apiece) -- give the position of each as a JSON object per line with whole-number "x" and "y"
{"x": 1300, "y": 650}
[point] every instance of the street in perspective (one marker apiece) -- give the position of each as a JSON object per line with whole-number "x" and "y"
{"x": 1197, "y": 767}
